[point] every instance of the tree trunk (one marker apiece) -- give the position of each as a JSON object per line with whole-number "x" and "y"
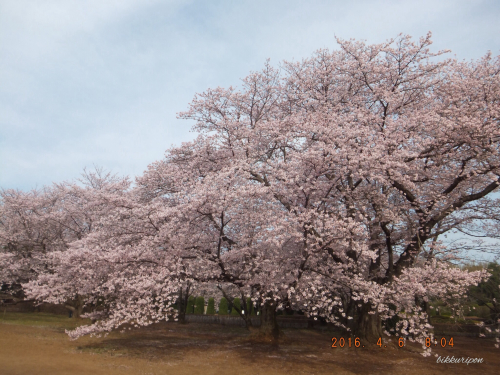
{"x": 369, "y": 326}
{"x": 245, "y": 313}
{"x": 183, "y": 299}
{"x": 426, "y": 308}
{"x": 75, "y": 307}
{"x": 269, "y": 330}
{"x": 79, "y": 306}
{"x": 248, "y": 320}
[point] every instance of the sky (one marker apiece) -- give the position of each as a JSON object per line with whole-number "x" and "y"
{"x": 86, "y": 83}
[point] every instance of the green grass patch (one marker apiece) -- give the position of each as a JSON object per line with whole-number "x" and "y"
{"x": 57, "y": 322}
{"x": 441, "y": 319}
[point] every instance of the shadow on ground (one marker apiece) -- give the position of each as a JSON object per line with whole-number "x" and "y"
{"x": 38, "y": 346}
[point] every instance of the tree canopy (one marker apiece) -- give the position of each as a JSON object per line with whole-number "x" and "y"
{"x": 322, "y": 185}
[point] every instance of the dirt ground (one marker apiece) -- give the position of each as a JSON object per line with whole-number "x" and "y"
{"x": 36, "y": 344}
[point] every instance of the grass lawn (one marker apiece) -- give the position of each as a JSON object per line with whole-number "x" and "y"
{"x": 35, "y": 343}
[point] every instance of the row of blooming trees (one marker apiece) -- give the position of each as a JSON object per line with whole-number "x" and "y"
{"x": 38, "y": 224}
{"x": 322, "y": 186}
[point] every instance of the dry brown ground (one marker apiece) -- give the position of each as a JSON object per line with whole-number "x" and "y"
{"x": 38, "y": 345}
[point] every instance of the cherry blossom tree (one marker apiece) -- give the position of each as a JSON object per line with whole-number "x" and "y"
{"x": 127, "y": 268}
{"x": 371, "y": 152}
{"x": 323, "y": 185}
{"x": 24, "y": 242}
{"x": 37, "y": 224}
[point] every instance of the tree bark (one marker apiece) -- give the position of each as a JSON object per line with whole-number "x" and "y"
{"x": 183, "y": 300}
{"x": 369, "y": 326}
{"x": 269, "y": 330}
{"x": 75, "y": 306}
{"x": 243, "y": 311}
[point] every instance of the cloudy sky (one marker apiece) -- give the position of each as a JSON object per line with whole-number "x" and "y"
{"x": 99, "y": 82}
